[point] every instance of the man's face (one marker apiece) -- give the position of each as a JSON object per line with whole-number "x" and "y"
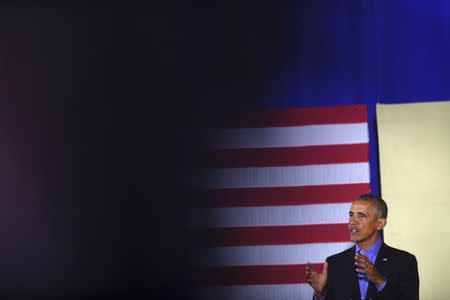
{"x": 364, "y": 223}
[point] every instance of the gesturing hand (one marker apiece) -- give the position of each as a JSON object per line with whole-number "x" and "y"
{"x": 365, "y": 266}
{"x": 315, "y": 279}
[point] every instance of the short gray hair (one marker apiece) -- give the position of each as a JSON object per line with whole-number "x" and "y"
{"x": 377, "y": 201}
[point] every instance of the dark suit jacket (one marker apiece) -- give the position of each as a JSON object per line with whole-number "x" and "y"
{"x": 399, "y": 267}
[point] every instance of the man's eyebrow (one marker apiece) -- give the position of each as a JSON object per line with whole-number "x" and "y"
{"x": 361, "y": 213}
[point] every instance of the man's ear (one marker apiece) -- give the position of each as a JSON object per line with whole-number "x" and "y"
{"x": 381, "y": 222}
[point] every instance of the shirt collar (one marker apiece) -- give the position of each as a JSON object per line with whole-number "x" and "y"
{"x": 372, "y": 251}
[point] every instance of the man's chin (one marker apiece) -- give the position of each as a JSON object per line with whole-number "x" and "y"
{"x": 354, "y": 240}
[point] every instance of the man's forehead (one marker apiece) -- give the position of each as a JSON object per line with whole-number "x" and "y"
{"x": 362, "y": 206}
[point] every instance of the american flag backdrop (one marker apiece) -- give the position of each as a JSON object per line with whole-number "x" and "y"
{"x": 279, "y": 186}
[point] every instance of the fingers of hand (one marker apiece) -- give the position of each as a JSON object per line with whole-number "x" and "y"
{"x": 360, "y": 257}
{"x": 325, "y": 267}
{"x": 309, "y": 271}
{"x": 362, "y": 271}
{"x": 363, "y": 264}
{"x": 311, "y": 274}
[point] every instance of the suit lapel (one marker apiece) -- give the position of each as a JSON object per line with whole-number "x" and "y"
{"x": 382, "y": 265}
{"x": 371, "y": 291}
{"x": 350, "y": 262}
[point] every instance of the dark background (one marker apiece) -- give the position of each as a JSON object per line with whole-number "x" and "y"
{"x": 102, "y": 108}
{"x": 75, "y": 211}
{"x": 100, "y": 114}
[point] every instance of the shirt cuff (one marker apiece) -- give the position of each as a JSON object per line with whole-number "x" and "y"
{"x": 381, "y": 286}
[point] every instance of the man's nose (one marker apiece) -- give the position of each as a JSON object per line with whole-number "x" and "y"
{"x": 352, "y": 220}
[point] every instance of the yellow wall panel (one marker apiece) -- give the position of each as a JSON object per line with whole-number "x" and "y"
{"x": 414, "y": 145}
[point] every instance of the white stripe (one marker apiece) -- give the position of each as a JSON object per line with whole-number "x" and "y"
{"x": 256, "y": 292}
{"x": 288, "y": 176}
{"x": 270, "y": 215}
{"x": 268, "y": 255}
{"x": 294, "y": 136}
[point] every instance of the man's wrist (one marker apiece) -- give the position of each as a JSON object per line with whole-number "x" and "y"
{"x": 380, "y": 281}
{"x": 381, "y": 285}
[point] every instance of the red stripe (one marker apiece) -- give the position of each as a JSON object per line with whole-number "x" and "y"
{"x": 302, "y": 116}
{"x": 275, "y": 196}
{"x": 274, "y": 274}
{"x": 286, "y": 156}
{"x": 272, "y": 235}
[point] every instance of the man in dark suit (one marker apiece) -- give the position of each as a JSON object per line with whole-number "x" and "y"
{"x": 370, "y": 269}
